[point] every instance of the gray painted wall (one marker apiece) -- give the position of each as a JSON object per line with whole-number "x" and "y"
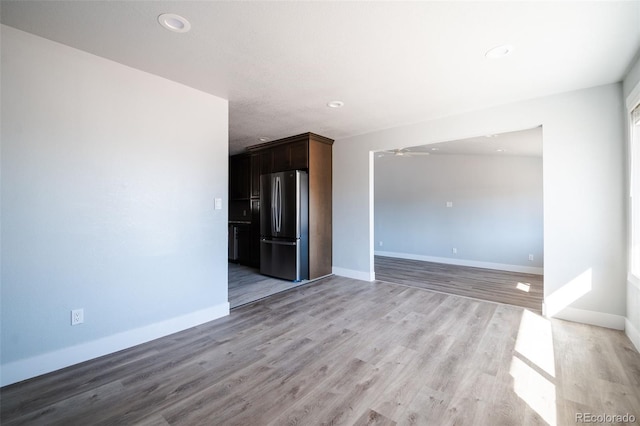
{"x": 496, "y": 216}
{"x": 109, "y": 176}
{"x": 583, "y": 184}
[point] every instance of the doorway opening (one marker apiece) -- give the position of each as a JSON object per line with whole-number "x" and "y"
{"x": 463, "y": 217}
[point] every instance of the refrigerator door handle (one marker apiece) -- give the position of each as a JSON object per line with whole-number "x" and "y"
{"x": 273, "y": 204}
{"x": 278, "y": 204}
{"x": 280, "y": 243}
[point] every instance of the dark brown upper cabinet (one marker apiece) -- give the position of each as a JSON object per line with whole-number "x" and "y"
{"x": 291, "y": 156}
{"x": 255, "y": 175}
{"x": 239, "y": 177}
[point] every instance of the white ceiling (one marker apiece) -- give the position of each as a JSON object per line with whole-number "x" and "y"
{"x": 522, "y": 143}
{"x": 392, "y": 63}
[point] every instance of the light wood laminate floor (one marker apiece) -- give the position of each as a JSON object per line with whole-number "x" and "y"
{"x": 513, "y": 288}
{"x": 346, "y": 352}
{"x": 247, "y": 285}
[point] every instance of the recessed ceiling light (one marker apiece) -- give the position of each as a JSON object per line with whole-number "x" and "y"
{"x": 174, "y": 22}
{"x": 490, "y": 136}
{"x": 499, "y": 51}
{"x": 263, "y": 139}
{"x": 435, "y": 149}
{"x": 335, "y": 104}
{"x": 501, "y": 150}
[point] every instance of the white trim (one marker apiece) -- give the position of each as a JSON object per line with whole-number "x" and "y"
{"x": 632, "y": 333}
{"x": 371, "y": 197}
{"x": 356, "y": 275}
{"x": 634, "y": 98}
{"x": 23, "y": 369}
{"x": 464, "y": 262}
{"x": 632, "y": 101}
{"x": 633, "y": 280}
{"x": 601, "y": 319}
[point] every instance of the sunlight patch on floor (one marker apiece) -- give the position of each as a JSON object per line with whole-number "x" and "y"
{"x": 534, "y": 389}
{"x": 535, "y": 342}
{"x": 533, "y": 366}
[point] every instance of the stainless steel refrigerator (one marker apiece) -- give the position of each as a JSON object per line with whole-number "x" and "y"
{"x": 284, "y": 225}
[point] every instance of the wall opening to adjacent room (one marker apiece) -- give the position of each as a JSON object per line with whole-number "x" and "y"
{"x": 443, "y": 208}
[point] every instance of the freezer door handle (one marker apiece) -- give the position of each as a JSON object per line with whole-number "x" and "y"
{"x": 281, "y": 243}
{"x": 279, "y": 196}
{"x": 276, "y": 204}
{"x": 274, "y": 208}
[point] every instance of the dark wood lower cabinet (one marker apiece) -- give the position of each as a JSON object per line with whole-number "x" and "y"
{"x": 244, "y": 244}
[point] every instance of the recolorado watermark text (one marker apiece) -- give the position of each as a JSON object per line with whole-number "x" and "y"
{"x": 605, "y": 418}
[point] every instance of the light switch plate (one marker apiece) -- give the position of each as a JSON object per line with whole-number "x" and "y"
{"x": 218, "y": 203}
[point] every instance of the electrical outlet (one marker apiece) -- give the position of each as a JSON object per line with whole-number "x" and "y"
{"x": 77, "y": 316}
{"x": 454, "y": 250}
{"x": 449, "y": 203}
{"x": 531, "y": 258}
{"x": 380, "y": 243}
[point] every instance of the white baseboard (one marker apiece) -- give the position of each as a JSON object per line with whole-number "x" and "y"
{"x": 601, "y": 319}
{"x": 464, "y": 262}
{"x": 17, "y": 371}
{"x": 352, "y": 273}
{"x": 632, "y": 333}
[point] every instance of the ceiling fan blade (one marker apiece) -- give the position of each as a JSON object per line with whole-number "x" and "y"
{"x": 403, "y": 153}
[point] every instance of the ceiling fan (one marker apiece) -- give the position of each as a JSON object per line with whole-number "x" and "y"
{"x": 404, "y": 152}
